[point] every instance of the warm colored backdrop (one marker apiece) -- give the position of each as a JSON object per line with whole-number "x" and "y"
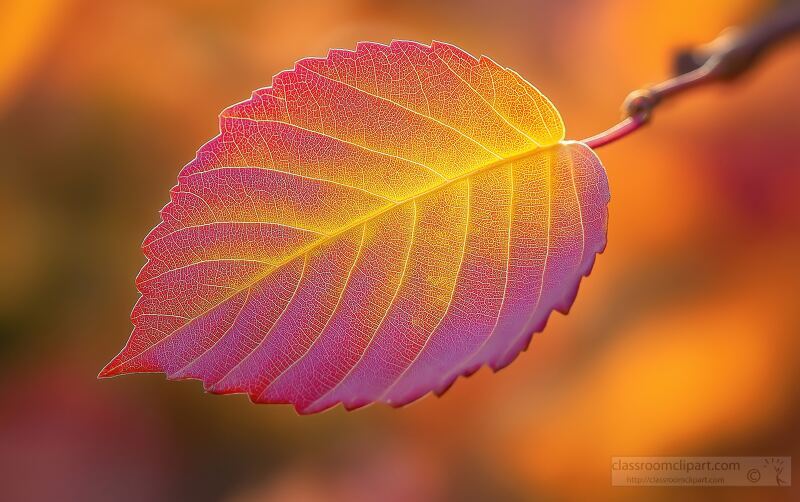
{"x": 684, "y": 340}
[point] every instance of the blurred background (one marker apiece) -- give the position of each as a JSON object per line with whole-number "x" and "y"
{"x": 683, "y": 341}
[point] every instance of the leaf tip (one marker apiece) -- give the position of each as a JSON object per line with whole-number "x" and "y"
{"x": 112, "y": 369}
{"x": 108, "y": 372}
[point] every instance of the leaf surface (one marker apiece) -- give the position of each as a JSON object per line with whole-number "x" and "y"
{"x": 368, "y": 228}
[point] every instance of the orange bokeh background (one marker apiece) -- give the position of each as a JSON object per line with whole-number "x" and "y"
{"x": 683, "y": 341}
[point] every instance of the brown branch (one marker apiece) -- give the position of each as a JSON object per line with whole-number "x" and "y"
{"x": 731, "y": 54}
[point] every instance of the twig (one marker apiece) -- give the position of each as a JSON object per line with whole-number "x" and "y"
{"x": 731, "y": 54}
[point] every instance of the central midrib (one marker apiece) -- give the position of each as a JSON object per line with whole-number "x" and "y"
{"x": 360, "y": 221}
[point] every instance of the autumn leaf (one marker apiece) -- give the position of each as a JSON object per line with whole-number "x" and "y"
{"x": 369, "y": 228}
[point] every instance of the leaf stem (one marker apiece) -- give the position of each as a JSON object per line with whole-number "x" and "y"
{"x": 612, "y": 134}
{"x": 728, "y": 56}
